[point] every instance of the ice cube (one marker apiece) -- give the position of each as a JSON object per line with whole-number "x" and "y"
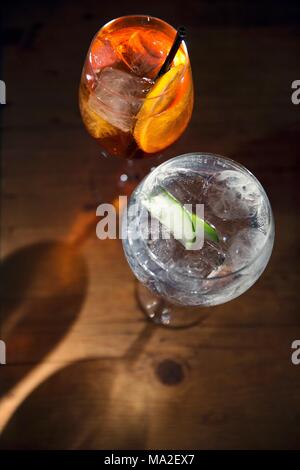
{"x": 160, "y": 241}
{"x": 102, "y": 54}
{"x": 232, "y": 195}
{"x": 197, "y": 263}
{"x": 187, "y": 187}
{"x": 118, "y": 97}
{"x": 144, "y": 53}
{"x": 162, "y": 249}
{"x": 244, "y": 247}
{"x": 261, "y": 218}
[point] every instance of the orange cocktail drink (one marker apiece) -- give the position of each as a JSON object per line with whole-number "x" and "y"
{"x": 124, "y": 105}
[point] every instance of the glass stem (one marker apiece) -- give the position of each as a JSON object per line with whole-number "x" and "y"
{"x": 164, "y": 313}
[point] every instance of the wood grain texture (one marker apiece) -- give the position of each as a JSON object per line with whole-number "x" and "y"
{"x": 85, "y": 370}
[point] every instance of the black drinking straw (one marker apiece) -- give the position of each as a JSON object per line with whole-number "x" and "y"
{"x": 180, "y": 36}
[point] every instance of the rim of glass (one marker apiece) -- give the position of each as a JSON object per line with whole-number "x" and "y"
{"x": 158, "y": 20}
{"x": 245, "y": 170}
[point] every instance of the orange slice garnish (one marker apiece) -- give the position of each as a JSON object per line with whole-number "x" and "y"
{"x": 165, "y": 112}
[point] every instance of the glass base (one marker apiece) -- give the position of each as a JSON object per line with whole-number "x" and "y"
{"x": 166, "y": 314}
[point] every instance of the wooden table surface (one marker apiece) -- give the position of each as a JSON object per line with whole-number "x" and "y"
{"x": 84, "y": 368}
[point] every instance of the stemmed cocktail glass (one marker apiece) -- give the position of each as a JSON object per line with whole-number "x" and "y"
{"x": 132, "y": 105}
{"x": 175, "y": 277}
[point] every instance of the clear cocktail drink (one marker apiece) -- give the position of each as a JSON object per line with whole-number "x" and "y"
{"x": 238, "y": 237}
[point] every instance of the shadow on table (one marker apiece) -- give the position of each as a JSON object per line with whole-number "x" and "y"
{"x": 43, "y": 287}
{"x": 104, "y": 403}
{"x": 93, "y": 404}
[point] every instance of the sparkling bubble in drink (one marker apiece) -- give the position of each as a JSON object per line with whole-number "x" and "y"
{"x": 123, "y": 104}
{"x": 238, "y": 236}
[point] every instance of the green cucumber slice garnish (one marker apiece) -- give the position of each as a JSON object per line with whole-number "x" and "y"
{"x": 182, "y": 223}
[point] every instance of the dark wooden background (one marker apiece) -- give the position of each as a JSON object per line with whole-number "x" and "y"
{"x": 85, "y": 370}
